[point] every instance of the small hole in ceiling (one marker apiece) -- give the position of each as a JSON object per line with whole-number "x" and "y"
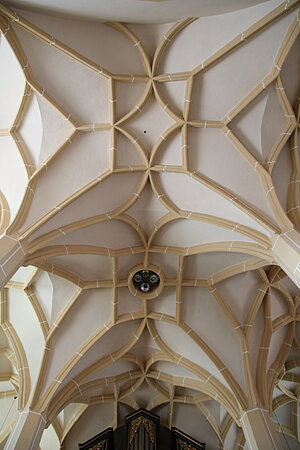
{"x": 145, "y": 131}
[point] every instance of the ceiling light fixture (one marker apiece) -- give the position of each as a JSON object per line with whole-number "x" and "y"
{"x": 145, "y": 282}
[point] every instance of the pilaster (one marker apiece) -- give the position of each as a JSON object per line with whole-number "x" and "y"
{"x": 27, "y": 432}
{"x": 286, "y": 251}
{"x": 259, "y": 430}
{"x": 12, "y": 255}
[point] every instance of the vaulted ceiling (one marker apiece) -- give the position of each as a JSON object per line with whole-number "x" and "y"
{"x": 172, "y": 147}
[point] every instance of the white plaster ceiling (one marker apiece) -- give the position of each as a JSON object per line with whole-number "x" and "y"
{"x": 133, "y": 145}
{"x": 135, "y": 11}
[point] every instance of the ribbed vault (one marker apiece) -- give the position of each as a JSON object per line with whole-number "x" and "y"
{"x": 173, "y": 146}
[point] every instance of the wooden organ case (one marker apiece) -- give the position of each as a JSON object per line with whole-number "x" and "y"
{"x": 142, "y": 431}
